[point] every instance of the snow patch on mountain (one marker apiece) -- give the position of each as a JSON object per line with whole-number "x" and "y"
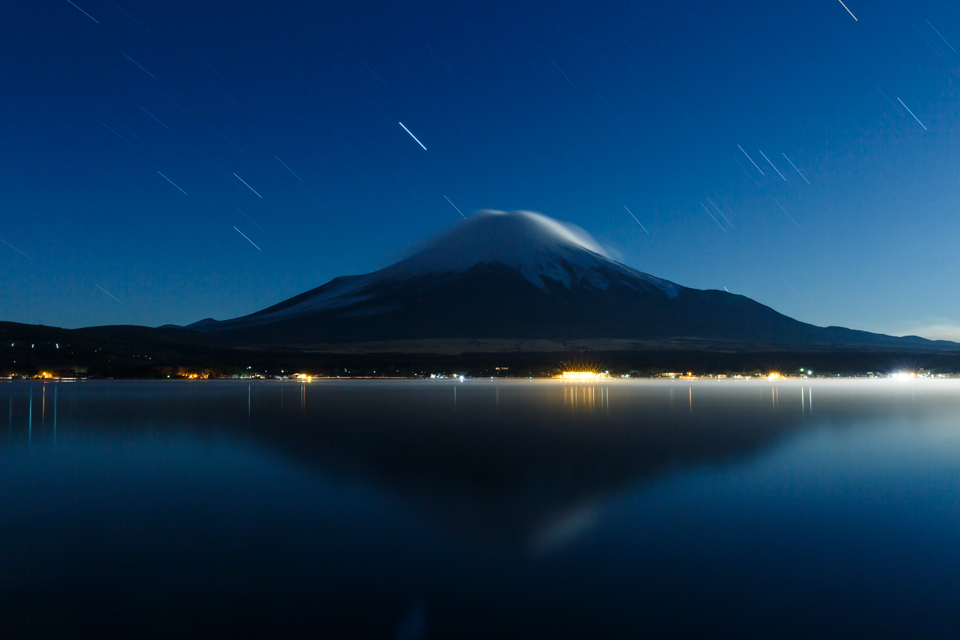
{"x": 535, "y": 245}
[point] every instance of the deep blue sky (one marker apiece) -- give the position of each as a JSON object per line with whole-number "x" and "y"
{"x": 573, "y": 109}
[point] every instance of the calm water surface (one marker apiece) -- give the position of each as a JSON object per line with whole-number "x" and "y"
{"x": 480, "y": 509}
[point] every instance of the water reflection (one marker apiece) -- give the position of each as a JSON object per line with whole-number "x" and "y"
{"x": 581, "y": 398}
{"x": 21, "y": 397}
{"x": 505, "y": 462}
{"x": 525, "y": 508}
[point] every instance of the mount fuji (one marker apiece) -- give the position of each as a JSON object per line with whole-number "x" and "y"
{"x": 527, "y": 281}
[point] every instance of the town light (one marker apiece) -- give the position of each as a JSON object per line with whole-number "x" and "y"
{"x": 580, "y": 375}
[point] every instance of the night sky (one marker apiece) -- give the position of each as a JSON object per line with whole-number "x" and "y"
{"x": 162, "y": 162}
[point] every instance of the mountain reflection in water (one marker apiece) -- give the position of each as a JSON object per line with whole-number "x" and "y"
{"x": 480, "y": 508}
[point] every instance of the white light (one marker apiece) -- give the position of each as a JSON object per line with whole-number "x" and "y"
{"x": 412, "y": 136}
{"x": 580, "y": 375}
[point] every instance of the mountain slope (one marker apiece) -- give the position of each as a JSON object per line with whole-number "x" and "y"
{"x": 522, "y": 275}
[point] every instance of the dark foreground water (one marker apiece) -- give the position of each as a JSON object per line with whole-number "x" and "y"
{"x": 481, "y": 509}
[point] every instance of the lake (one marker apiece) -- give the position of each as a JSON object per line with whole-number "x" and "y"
{"x": 480, "y": 509}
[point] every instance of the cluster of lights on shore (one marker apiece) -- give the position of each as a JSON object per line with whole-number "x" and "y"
{"x": 903, "y": 375}
{"x": 581, "y": 376}
{"x": 573, "y": 376}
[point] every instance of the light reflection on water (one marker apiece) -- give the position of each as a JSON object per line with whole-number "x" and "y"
{"x": 481, "y": 508}
{"x": 580, "y": 398}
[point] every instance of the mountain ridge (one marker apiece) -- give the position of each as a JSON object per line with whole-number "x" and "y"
{"x": 522, "y": 276}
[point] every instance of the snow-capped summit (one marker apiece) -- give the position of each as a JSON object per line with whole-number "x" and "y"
{"x": 526, "y": 241}
{"x": 535, "y": 245}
